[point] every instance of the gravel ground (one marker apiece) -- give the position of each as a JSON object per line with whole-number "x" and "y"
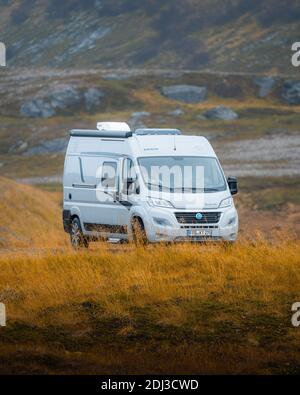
{"x": 275, "y": 155}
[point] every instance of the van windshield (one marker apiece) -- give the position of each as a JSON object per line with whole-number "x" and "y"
{"x": 183, "y": 174}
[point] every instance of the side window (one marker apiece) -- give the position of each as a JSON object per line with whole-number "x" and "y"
{"x": 109, "y": 175}
{"x": 87, "y": 167}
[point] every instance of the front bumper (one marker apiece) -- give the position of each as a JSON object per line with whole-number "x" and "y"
{"x": 172, "y": 231}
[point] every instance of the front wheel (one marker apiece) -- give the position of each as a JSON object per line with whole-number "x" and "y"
{"x": 78, "y": 240}
{"x": 139, "y": 233}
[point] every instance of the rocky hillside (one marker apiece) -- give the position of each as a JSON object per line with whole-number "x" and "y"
{"x": 220, "y": 35}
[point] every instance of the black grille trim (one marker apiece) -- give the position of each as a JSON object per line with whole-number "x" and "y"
{"x": 199, "y": 227}
{"x": 190, "y": 218}
{"x": 202, "y": 239}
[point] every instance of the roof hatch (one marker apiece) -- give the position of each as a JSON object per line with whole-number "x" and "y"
{"x": 114, "y": 126}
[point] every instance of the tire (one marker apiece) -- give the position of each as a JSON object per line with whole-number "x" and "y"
{"x": 138, "y": 231}
{"x": 78, "y": 240}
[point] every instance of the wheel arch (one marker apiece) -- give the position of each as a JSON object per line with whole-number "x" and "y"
{"x": 140, "y": 213}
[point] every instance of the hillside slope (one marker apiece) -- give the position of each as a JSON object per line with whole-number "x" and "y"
{"x": 29, "y": 217}
{"x": 226, "y": 35}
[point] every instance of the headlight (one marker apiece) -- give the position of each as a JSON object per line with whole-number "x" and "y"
{"x": 226, "y": 202}
{"x": 159, "y": 203}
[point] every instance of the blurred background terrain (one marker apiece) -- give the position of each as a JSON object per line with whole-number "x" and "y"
{"x": 221, "y": 35}
{"x": 218, "y": 68}
{"x": 221, "y": 69}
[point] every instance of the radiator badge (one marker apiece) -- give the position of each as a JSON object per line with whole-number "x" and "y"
{"x": 199, "y": 216}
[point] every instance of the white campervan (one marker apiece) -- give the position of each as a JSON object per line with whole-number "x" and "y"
{"x": 153, "y": 185}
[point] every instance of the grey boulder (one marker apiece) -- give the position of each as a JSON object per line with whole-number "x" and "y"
{"x": 220, "y": 112}
{"x": 93, "y": 98}
{"x": 185, "y": 93}
{"x": 58, "y": 145}
{"x": 60, "y": 99}
{"x": 265, "y": 85}
{"x": 64, "y": 98}
{"x": 291, "y": 92}
{"x": 36, "y": 108}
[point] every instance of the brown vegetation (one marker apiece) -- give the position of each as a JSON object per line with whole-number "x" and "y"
{"x": 185, "y": 308}
{"x": 175, "y": 309}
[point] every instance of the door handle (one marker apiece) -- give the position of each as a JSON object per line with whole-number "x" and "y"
{"x": 85, "y": 186}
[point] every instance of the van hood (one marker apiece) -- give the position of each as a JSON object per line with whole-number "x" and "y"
{"x": 189, "y": 201}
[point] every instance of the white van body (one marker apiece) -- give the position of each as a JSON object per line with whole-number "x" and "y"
{"x": 106, "y": 205}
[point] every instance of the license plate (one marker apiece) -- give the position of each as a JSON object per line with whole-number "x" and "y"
{"x": 198, "y": 232}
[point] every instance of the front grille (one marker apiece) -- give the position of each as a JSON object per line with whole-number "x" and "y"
{"x": 190, "y": 218}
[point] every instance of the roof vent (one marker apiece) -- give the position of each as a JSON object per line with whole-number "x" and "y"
{"x": 157, "y": 132}
{"x": 113, "y": 126}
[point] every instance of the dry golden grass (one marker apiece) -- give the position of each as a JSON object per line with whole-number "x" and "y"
{"x": 29, "y": 217}
{"x": 212, "y": 308}
{"x": 154, "y": 274}
{"x": 160, "y": 309}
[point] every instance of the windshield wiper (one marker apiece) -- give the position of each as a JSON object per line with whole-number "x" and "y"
{"x": 211, "y": 189}
{"x": 154, "y": 185}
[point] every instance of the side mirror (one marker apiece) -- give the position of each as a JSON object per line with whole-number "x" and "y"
{"x": 233, "y": 185}
{"x": 131, "y": 185}
{"x": 131, "y": 180}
